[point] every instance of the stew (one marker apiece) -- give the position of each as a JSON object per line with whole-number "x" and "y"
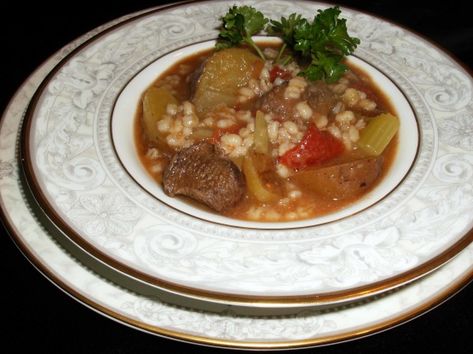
{"x": 253, "y": 140}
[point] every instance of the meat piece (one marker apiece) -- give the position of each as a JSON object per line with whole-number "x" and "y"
{"x": 320, "y": 97}
{"x": 342, "y": 181}
{"x": 275, "y": 102}
{"x": 201, "y": 172}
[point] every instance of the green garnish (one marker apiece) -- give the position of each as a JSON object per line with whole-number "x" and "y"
{"x": 285, "y": 29}
{"x": 239, "y": 25}
{"x": 322, "y": 43}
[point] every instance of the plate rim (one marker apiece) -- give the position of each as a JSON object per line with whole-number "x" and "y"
{"x": 436, "y": 300}
{"x": 330, "y": 297}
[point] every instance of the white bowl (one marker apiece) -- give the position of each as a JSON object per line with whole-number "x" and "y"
{"x": 123, "y": 123}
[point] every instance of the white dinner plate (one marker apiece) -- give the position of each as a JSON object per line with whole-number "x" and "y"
{"x": 94, "y": 195}
{"x": 220, "y": 328}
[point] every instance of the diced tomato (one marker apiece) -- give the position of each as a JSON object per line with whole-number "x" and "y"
{"x": 277, "y": 71}
{"x": 315, "y": 148}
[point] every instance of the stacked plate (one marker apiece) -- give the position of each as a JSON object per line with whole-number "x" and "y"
{"x": 80, "y": 207}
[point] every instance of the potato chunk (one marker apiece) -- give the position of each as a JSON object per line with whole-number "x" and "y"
{"x": 223, "y": 74}
{"x": 155, "y": 101}
{"x": 341, "y": 181}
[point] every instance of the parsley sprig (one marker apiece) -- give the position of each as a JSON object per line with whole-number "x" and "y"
{"x": 324, "y": 42}
{"x": 239, "y": 25}
{"x": 321, "y": 43}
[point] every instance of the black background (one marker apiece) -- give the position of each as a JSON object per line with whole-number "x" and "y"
{"x": 38, "y": 316}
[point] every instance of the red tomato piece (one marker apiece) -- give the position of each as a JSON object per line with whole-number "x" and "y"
{"x": 315, "y": 147}
{"x": 277, "y": 71}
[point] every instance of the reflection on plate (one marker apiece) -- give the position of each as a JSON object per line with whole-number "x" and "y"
{"x": 307, "y": 328}
{"x": 78, "y": 179}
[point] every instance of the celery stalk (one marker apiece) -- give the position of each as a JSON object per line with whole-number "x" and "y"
{"x": 261, "y": 134}
{"x": 378, "y": 133}
{"x": 254, "y": 183}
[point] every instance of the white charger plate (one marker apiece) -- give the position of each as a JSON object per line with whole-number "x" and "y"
{"x": 307, "y": 328}
{"x": 79, "y": 180}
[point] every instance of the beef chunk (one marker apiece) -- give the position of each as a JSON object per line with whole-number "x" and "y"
{"x": 318, "y": 95}
{"x": 320, "y": 98}
{"x": 201, "y": 172}
{"x": 275, "y": 102}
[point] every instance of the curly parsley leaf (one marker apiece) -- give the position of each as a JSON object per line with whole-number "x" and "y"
{"x": 326, "y": 33}
{"x": 322, "y": 67}
{"x": 239, "y": 25}
{"x": 323, "y": 42}
{"x": 286, "y": 27}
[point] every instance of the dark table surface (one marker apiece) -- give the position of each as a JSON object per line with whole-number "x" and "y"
{"x": 37, "y": 315}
